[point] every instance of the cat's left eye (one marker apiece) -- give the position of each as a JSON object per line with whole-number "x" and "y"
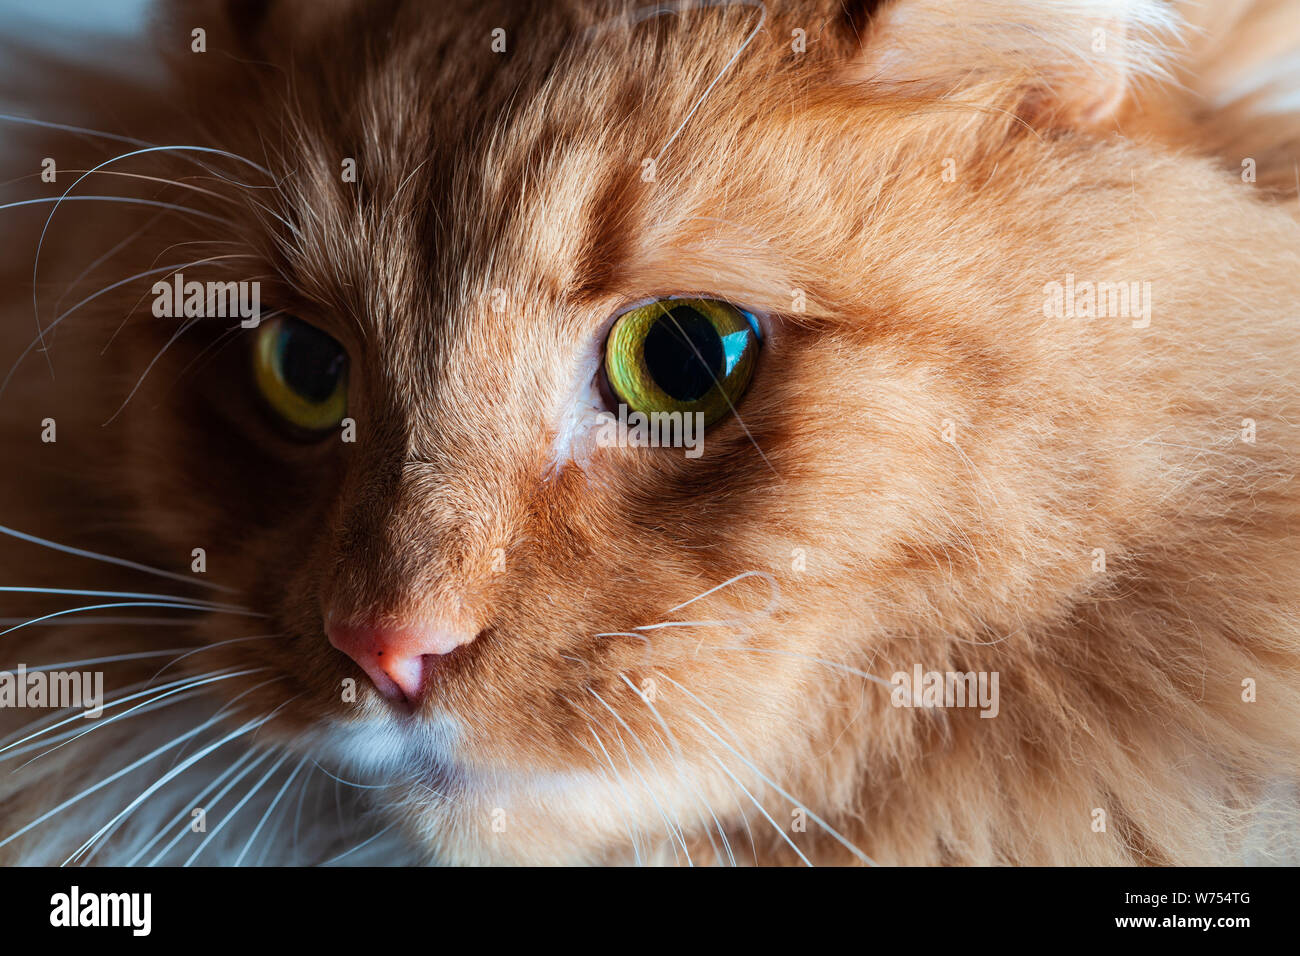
{"x": 301, "y": 374}
{"x": 695, "y": 356}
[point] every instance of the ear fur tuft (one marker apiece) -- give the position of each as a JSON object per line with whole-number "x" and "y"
{"x": 1077, "y": 61}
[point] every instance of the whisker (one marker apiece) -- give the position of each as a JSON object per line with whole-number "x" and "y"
{"x": 132, "y": 200}
{"x": 39, "y": 341}
{"x": 275, "y": 802}
{"x": 86, "y": 592}
{"x": 149, "y": 368}
{"x": 148, "y": 707}
{"x": 679, "y": 760}
{"x": 359, "y": 846}
{"x": 96, "y": 621}
{"x": 762, "y": 9}
{"x": 212, "y": 804}
{"x": 232, "y": 705}
{"x": 252, "y": 791}
{"x": 770, "y": 579}
{"x": 627, "y": 799}
{"x": 166, "y": 778}
{"x": 699, "y": 355}
{"x": 200, "y": 799}
{"x": 762, "y": 776}
{"x": 639, "y": 637}
{"x": 349, "y": 783}
{"x": 761, "y": 809}
{"x": 269, "y": 844}
{"x": 100, "y": 607}
{"x": 115, "y": 658}
{"x": 217, "y": 343}
{"x": 130, "y": 710}
{"x": 816, "y": 660}
{"x": 127, "y": 696}
{"x": 112, "y": 825}
{"x": 672, "y": 830}
{"x": 143, "y": 295}
{"x": 118, "y": 247}
{"x": 176, "y": 742}
{"x": 132, "y": 141}
{"x": 179, "y": 184}
{"x": 208, "y": 647}
{"x": 64, "y": 127}
{"x": 109, "y": 559}
{"x": 297, "y": 816}
{"x": 47, "y": 721}
{"x": 40, "y": 245}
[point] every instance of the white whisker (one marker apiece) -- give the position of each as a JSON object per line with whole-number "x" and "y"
{"x": 761, "y": 809}
{"x": 153, "y": 700}
{"x": 185, "y": 327}
{"x": 147, "y": 707}
{"x": 673, "y": 831}
{"x": 166, "y": 778}
{"x": 770, "y": 579}
{"x": 100, "y": 607}
{"x": 764, "y": 777}
{"x": 176, "y": 742}
{"x": 208, "y": 647}
{"x": 108, "y": 559}
{"x": 113, "y": 659}
{"x": 198, "y": 800}
{"x": 627, "y": 799}
{"x": 64, "y": 127}
{"x": 87, "y": 592}
{"x": 207, "y": 807}
{"x": 155, "y": 203}
{"x": 52, "y": 721}
{"x": 39, "y": 341}
{"x": 359, "y": 846}
{"x": 679, "y": 760}
{"x": 762, "y": 9}
{"x": 252, "y": 791}
{"x": 275, "y": 802}
{"x": 816, "y": 660}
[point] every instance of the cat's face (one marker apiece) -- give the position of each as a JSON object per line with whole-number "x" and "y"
{"x": 643, "y": 634}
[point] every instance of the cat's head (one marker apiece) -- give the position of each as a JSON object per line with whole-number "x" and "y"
{"x": 478, "y": 226}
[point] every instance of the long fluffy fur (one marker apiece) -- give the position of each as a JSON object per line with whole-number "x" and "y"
{"x": 945, "y": 459}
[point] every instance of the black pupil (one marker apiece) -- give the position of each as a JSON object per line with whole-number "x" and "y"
{"x": 310, "y": 361}
{"x": 683, "y": 352}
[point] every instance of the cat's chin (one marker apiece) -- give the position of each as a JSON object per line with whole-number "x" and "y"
{"x": 386, "y": 750}
{"x": 452, "y": 810}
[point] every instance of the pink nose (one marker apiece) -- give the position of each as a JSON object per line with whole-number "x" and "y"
{"x": 397, "y": 659}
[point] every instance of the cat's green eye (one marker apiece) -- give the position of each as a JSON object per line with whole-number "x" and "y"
{"x": 682, "y": 355}
{"x": 301, "y": 373}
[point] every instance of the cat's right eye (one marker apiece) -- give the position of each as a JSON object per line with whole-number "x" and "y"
{"x": 301, "y": 373}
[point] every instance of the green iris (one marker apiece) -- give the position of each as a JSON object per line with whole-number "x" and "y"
{"x": 682, "y": 355}
{"x": 301, "y": 373}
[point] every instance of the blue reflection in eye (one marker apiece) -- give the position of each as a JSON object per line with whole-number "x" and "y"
{"x": 735, "y": 343}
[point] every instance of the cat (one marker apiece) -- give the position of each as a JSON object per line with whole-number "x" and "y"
{"x": 989, "y": 312}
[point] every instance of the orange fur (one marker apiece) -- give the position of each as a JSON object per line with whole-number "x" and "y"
{"x": 821, "y": 172}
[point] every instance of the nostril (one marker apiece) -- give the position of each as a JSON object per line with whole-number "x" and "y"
{"x": 397, "y": 659}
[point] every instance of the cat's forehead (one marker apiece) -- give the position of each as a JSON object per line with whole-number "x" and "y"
{"x": 508, "y": 156}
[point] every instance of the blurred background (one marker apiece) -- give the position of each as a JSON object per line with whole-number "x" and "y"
{"x": 87, "y": 29}
{"x": 54, "y": 21}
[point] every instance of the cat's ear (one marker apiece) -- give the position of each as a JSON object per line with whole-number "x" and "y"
{"x": 1069, "y": 62}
